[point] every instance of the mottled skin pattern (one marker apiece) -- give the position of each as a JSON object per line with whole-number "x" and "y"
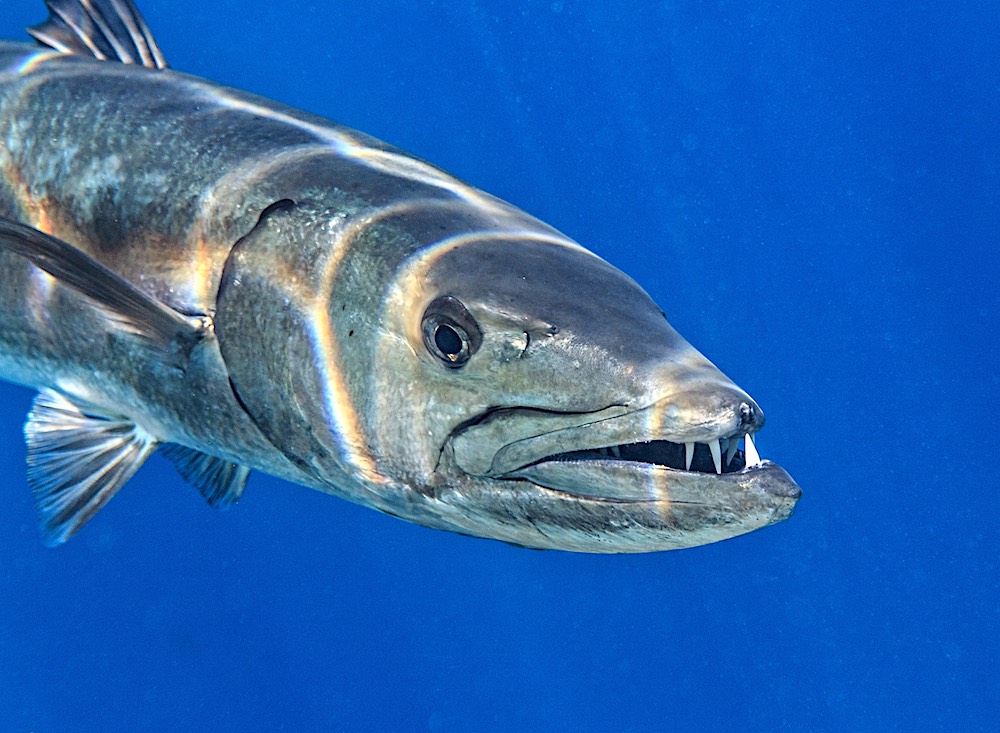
{"x": 315, "y": 370}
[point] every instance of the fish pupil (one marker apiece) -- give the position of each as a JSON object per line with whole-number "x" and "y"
{"x": 448, "y": 340}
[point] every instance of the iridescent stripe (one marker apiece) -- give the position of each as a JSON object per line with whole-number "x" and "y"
{"x": 33, "y": 60}
{"x": 341, "y": 415}
{"x": 346, "y": 145}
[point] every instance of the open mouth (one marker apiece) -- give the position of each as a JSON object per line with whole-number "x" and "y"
{"x": 719, "y": 456}
{"x": 510, "y": 442}
{"x": 620, "y": 480}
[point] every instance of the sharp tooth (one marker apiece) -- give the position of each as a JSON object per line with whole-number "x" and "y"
{"x": 616, "y": 451}
{"x": 734, "y": 443}
{"x": 688, "y": 455}
{"x": 716, "y": 455}
{"x": 750, "y": 450}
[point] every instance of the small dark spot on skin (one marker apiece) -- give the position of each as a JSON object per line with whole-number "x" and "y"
{"x": 351, "y": 332}
{"x": 343, "y": 307}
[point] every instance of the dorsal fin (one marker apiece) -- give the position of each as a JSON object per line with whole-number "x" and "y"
{"x": 220, "y": 481}
{"x": 109, "y": 30}
{"x": 77, "y": 460}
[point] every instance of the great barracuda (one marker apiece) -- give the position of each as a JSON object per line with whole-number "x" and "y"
{"x": 245, "y": 286}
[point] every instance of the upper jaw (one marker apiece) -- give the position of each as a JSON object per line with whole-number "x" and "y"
{"x": 693, "y": 431}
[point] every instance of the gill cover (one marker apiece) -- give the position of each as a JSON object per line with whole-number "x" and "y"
{"x": 278, "y": 340}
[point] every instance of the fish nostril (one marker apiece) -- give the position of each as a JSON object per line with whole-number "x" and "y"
{"x": 749, "y": 415}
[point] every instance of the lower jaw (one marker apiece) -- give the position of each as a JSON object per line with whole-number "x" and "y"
{"x": 527, "y": 513}
{"x": 629, "y": 481}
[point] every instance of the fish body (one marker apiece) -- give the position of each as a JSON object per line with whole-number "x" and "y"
{"x": 251, "y": 287}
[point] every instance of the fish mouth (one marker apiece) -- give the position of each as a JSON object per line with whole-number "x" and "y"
{"x": 722, "y": 475}
{"x": 620, "y": 480}
{"x": 718, "y": 456}
{"x": 506, "y": 441}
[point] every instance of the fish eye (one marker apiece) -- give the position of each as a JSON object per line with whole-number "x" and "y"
{"x": 451, "y": 334}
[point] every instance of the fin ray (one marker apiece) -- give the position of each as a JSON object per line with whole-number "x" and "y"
{"x": 220, "y": 481}
{"x": 103, "y": 29}
{"x": 77, "y": 460}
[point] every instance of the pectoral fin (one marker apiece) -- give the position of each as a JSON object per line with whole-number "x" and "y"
{"x": 136, "y": 310}
{"x": 221, "y": 482}
{"x": 77, "y": 460}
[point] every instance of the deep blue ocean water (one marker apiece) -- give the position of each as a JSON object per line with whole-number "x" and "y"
{"x": 810, "y": 190}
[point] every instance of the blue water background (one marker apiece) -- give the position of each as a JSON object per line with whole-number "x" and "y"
{"x": 809, "y": 189}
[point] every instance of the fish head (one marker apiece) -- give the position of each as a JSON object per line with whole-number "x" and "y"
{"x": 509, "y": 385}
{"x": 531, "y": 392}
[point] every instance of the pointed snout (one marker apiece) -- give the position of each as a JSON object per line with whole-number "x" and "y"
{"x": 706, "y": 407}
